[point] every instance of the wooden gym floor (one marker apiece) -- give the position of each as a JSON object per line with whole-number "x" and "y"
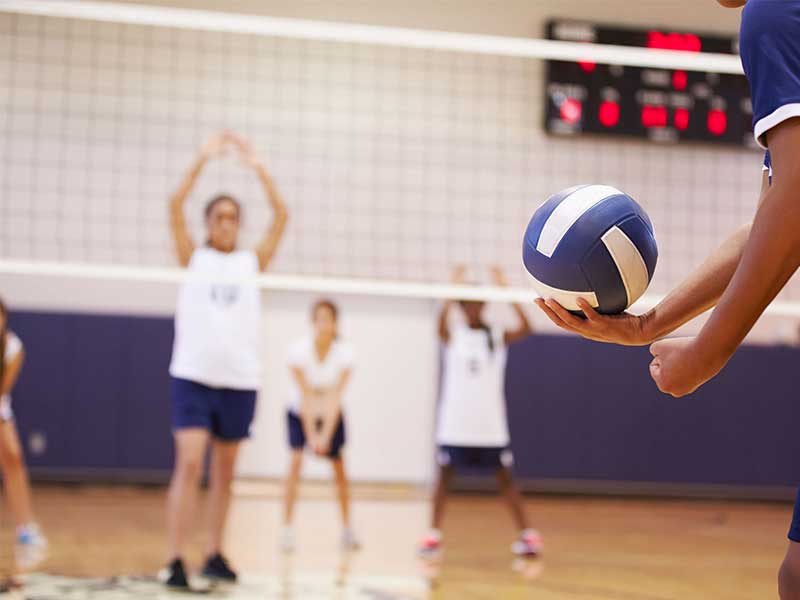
{"x": 596, "y": 548}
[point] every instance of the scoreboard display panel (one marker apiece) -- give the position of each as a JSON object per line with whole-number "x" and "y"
{"x": 655, "y": 104}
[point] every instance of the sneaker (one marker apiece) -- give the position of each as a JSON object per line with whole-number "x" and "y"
{"x": 31, "y": 536}
{"x": 349, "y": 540}
{"x": 430, "y": 546}
{"x": 217, "y": 568}
{"x": 529, "y": 544}
{"x": 31, "y": 546}
{"x": 174, "y": 575}
{"x": 287, "y": 540}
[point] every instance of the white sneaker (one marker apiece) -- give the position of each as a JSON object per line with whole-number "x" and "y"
{"x": 350, "y": 541}
{"x": 287, "y": 540}
{"x": 31, "y": 546}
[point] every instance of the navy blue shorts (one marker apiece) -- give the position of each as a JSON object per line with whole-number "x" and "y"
{"x": 769, "y": 43}
{"x": 477, "y": 458}
{"x": 297, "y": 437}
{"x": 794, "y": 530}
{"x": 226, "y": 413}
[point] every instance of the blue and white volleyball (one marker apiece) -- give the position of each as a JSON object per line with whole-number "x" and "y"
{"x": 592, "y": 242}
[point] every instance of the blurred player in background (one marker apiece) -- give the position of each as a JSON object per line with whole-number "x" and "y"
{"x": 745, "y": 274}
{"x": 472, "y": 429}
{"x": 31, "y": 544}
{"x": 216, "y": 363}
{"x": 321, "y": 365}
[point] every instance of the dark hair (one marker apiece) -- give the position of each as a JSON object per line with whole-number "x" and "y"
{"x": 3, "y": 332}
{"x": 222, "y": 198}
{"x": 325, "y": 303}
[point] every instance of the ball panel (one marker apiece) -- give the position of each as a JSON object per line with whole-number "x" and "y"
{"x": 566, "y": 298}
{"x": 568, "y": 212}
{"x": 563, "y": 272}
{"x": 630, "y": 264}
{"x": 604, "y": 278}
{"x": 641, "y": 234}
{"x": 543, "y": 213}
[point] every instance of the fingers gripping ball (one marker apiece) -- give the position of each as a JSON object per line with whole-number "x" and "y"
{"x": 592, "y": 242}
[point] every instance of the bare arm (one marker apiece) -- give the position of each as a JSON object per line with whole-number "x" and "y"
{"x": 266, "y": 248}
{"x": 333, "y": 409}
{"x": 770, "y": 258}
{"x": 693, "y": 296}
{"x": 306, "y": 409}
{"x": 184, "y": 244}
{"x": 525, "y": 328}
{"x": 11, "y": 373}
{"x": 444, "y": 329}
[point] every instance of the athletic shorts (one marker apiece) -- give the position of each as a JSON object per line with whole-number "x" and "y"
{"x": 297, "y": 437}
{"x": 794, "y": 530}
{"x": 226, "y": 413}
{"x": 475, "y": 458}
{"x": 769, "y": 43}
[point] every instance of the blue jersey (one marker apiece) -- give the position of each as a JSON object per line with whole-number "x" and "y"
{"x": 769, "y": 42}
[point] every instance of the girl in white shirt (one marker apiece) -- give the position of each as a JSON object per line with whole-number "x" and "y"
{"x": 472, "y": 428}
{"x": 31, "y": 543}
{"x": 216, "y": 363}
{"x": 320, "y": 367}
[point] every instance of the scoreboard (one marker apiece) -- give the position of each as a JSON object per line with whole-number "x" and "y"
{"x": 655, "y": 104}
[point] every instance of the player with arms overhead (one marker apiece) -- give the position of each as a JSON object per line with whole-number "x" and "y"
{"x": 748, "y": 270}
{"x": 216, "y": 364}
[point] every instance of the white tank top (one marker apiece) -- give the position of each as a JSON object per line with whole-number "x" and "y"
{"x": 472, "y": 410}
{"x": 217, "y": 326}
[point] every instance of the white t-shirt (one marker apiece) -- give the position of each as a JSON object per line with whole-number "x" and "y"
{"x": 472, "y": 410}
{"x": 13, "y": 348}
{"x": 217, "y": 326}
{"x": 318, "y": 374}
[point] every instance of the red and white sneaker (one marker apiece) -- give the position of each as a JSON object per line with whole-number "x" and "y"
{"x": 430, "y": 546}
{"x": 529, "y": 543}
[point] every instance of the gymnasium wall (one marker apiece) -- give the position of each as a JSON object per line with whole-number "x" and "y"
{"x": 92, "y": 402}
{"x": 83, "y": 181}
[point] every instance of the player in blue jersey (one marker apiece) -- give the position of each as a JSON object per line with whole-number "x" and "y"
{"x": 748, "y": 270}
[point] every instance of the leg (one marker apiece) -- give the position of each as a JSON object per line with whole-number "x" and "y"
{"x": 440, "y": 496}
{"x": 343, "y": 488}
{"x": 509, "y": 491}
{"x": 292, "y": 482}
{"x": 223, "y": 463}
{"x": 190, "y": 447}
{"x": 15, "y": 475}
{"x": 789, "y": 574}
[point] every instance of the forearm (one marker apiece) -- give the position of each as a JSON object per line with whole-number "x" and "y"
{"x": 770, "y": 258}
{"x": 330, "y": 418}
{"x": 444, "y": 330}
{"x": 698, "y": 292}
{"x": 271, "y": 192}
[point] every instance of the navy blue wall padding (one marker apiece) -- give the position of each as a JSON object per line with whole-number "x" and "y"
{"x": 586, "y": 410}
{"x": 98, "y": 387}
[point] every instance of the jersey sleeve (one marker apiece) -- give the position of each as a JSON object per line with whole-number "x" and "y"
{"x": 13, "y": 346}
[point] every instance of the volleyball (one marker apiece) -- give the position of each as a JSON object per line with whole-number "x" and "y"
{"x": 593, "y": 242}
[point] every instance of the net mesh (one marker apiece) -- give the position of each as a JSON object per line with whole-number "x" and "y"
{"x": 395, "y": 162}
